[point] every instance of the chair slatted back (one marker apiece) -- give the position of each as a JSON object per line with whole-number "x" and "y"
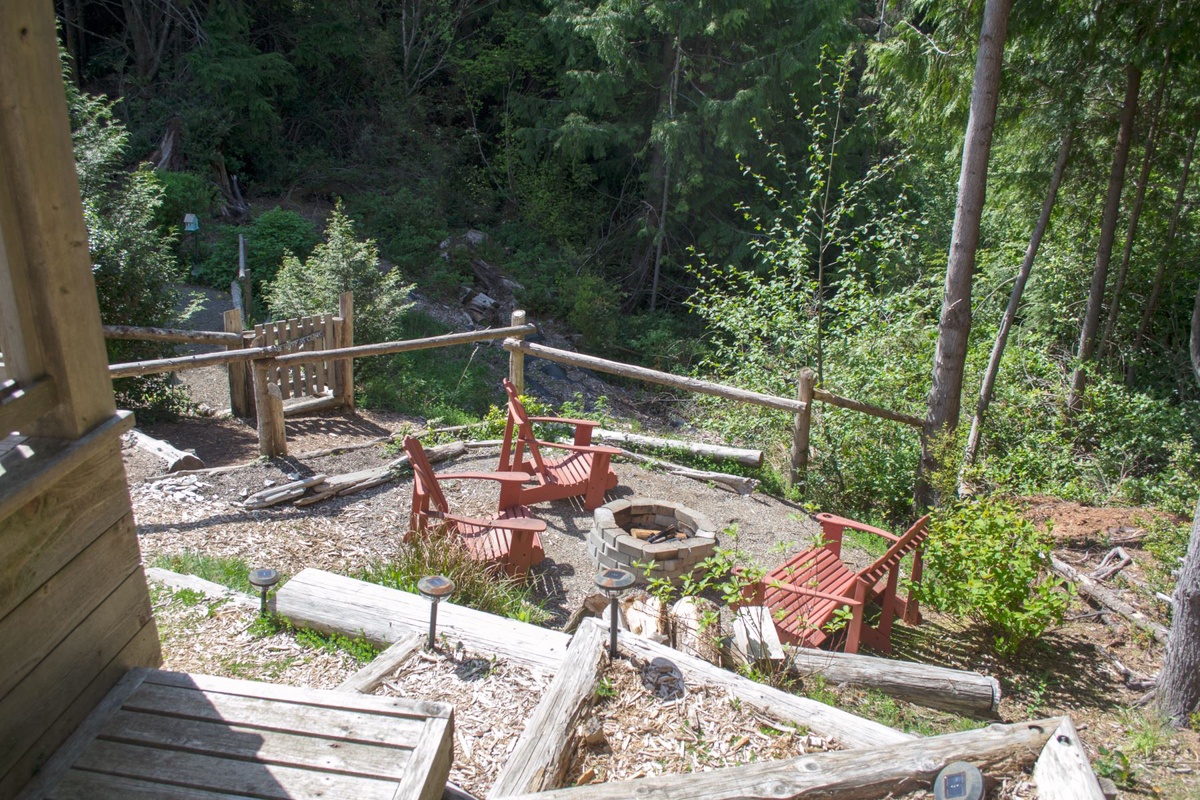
{"x": 518, "y": 433}
{"x": 426, "y": 491}
{"x": 890, "y": 560}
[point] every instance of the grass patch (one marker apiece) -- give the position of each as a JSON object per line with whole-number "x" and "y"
{"x": 225, "y": 570}
{"x": 475, "y": 584}
{"x": 357, "y": 647}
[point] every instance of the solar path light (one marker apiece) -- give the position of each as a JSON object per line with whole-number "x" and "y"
{"x": 435, "y": 588}
{"x": 263, "y": 580}
{"x": 612, "y": 582}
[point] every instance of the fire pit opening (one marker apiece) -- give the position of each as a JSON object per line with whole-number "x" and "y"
{"x": 631, "y": 534}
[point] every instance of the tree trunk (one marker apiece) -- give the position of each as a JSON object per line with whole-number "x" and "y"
{"x": 1108, "y": 232}
{"x": 945, "y": 397}
{"x": 1179, "y": 681}
{"x": 1014, "y": 300}
{"x": 1156, "y": 289}
{"x": 1135, "y": 211}
{"x": 660, "y": 233}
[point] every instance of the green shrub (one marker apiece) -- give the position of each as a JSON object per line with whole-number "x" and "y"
{"x": 270, "y": 237}
{"x": 985, "y": 561}
{"x": 183, "y": 193}
{"x": 475, "y": 584}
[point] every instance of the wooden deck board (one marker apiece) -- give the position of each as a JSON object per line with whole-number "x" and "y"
{"x": 197, "y": 737}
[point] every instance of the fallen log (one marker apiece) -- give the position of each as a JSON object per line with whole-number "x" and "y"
{"x": 737, "y": 483}
{"x": 353, "y": 482}
{"x": 953, "y": 690}
{"x": 751, "y": 458}
{"x": 888, "y": 770}
{"x": 1089, "y": 588}
{"x": 282, "y": 493}
{"x": 176, "y": 459}
{"x": 1113, "y": 562}
{"x": 176, "y": 580}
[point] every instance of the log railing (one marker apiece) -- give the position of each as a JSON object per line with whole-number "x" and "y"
{"x": 265, "y": 360}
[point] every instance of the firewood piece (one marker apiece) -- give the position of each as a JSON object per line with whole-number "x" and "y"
{"x": 281, "y": 494}
{"x": 176, "y": 459}
{"x": 1062, "y": 771}
{"x": 368, "y": 679}
{"x": 696, "y": 628}
{"x": 363, "y": 479}
{"x": 1089, "y": 588}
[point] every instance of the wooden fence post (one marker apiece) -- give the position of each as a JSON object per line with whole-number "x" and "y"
{"x": 241, "y": 388}
{"x": 803, "y": 424}
{"x": 345, "y": 367}
{"x": 268, "y": 400}
{"x": 516, "y": 359}
{"x": 243, "y": 280}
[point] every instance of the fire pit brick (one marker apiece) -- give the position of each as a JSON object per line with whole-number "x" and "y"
{"x": 611, "y": 543}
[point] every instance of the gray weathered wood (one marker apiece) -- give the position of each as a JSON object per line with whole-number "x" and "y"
{"x": 850, "y": 730}
{"x": 1062, "y": 771}
{"x": 345, "y": 339}
{"x": 543, "y": 752}
{"x": 408, "y": 345}
{"x": 751, "y": 458}
{"x": 241, "y": 384}
{"x": 143, "y": 334}
{"x": 268, "y": 402}
{"x": 737, "y": 483}
{"x": 1088, "y": 587}
{"x": 333, "y": 603}
{"x": 516, "y": 359}
{"x": 755, "y": 635}
{"x": 802, "y": 426}
{"x": 22, "y": 405}
{"x": 176, "y": 459}
{"x": 284, "y": 492}
{"x": 368, "y": 679}
{"x": 841, "y": 775}
{"x": 177, "y": 581}
{"x": 958, "y": 691}
{"x": 435, "y": 748}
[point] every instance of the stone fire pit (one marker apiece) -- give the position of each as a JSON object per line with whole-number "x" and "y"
{"x": 612, "y": 543}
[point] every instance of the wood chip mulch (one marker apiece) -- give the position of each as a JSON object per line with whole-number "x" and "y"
{"x": 654, "y": 724}
{"x": 492, "y": 701}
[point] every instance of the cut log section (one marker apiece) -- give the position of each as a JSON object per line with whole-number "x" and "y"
{"x": 872, "y": 772}
{"x": 755, "y": 635}
{"x": 751, "y": 458}
{"x": 176, "y": 459}
{"x": 953, "y": 690}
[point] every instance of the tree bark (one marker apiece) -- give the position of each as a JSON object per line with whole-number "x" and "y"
{"x": 1156, "y": 289}
{"x": 945, "y": 396}
{"x": 1014, "y": 300}
{"x": 1179, "y": 681}
{"x": 1135, "y": 210}
{"x": 1108, "y": 232}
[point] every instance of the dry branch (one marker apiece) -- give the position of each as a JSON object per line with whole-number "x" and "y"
{"x": 1089, "y": 588}
{"x": 176, "y": 459}
{"x": 171, "y": 335}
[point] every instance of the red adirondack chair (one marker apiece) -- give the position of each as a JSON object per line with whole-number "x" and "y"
{"x": 510, "y": 539}
{"x": 806, "y": 593}
{"x": 584, "y": 471}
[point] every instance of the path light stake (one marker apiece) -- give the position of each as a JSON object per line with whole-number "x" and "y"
{"x": 612, "y": 582}
{"x": 263, "y": 580}
{"x": 436, "y": 588}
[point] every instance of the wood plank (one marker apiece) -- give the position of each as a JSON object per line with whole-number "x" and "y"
{"x": 755, "y": 634}
{"x": 336, "y": 604}
{"x": 322, "y": 374}
{"x": 368, "y": 679}
{"x": 430, "y": 765}
{"x": 542, "y": 754}
{"x": 284, "y": 375}
{"x": 25, "y": 405}
{"x": 52, "y": 462}
{"x": 272, "y": 715}
{"x": 43, "y": 230}
{"x": 851, "y": 731}
{"x": 239, "y": 742}
{"x": 322, "y": 698}
{"x": 48, "y": 615}
{"x": 313, "y": 325}
{"x": 55, "y": 768}
{"x": 871, "y": 772}
{"x": 41, "y": 757}
{"x": 1062, "y": 771}
{"x": 224, "y": 775}
{"x": 81, "y": 785}
{"x": 176, "y": 581}
{"x": 27, "y": 711}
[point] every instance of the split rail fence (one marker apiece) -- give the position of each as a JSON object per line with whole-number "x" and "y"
{"x": 276, "y": 361}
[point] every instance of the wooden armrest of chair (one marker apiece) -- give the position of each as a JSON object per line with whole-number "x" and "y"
{"x": 584, "y": 448}
{"x": 503, "y": 477}
{"x": 858, "y": 526}
{"x": 518, "y": 524}
{"x": 788, "y": 587}
{"x": 584, "y": 423}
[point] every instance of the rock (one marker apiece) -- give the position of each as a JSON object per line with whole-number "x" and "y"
{"x": 592, "y": 733}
